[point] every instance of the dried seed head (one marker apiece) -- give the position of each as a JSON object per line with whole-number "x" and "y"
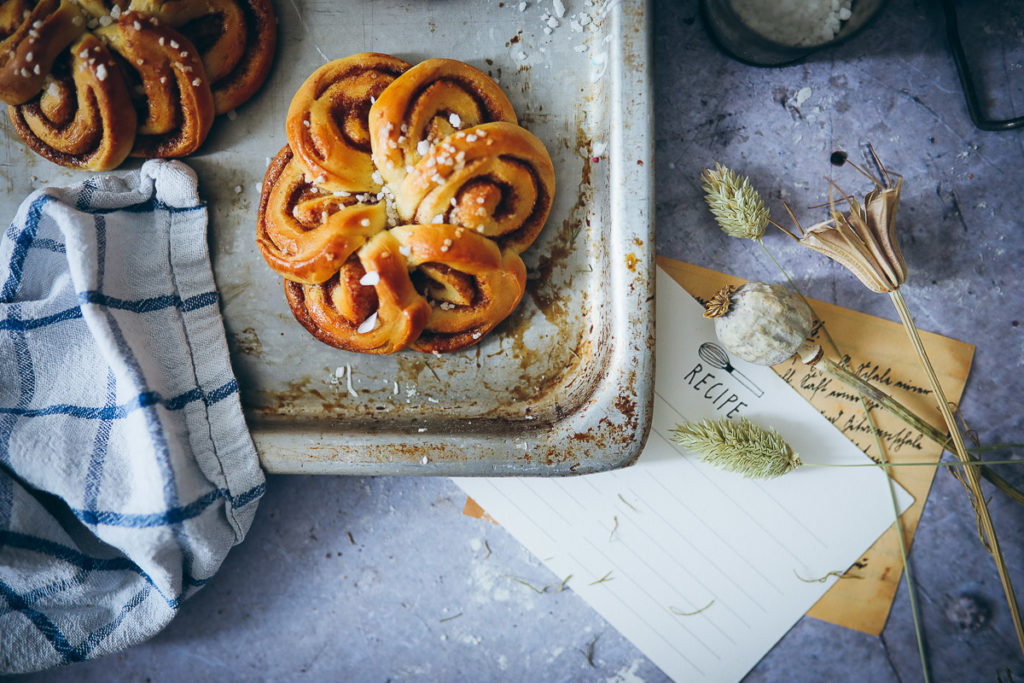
{"x": 765, "y": 325}
{"x": 719, "y": 304}
{"x": 864, "y": 241}
{"x": 736, "y": 205}
{"x": 738, "y": 446}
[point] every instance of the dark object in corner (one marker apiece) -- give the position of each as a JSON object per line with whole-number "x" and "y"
{"x": 966, "y": 81}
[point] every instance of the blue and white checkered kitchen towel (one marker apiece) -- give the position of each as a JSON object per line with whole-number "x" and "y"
{"x": 126, "y": 470}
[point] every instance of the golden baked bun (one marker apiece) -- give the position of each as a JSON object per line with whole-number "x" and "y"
{"x": 91, "y": 81}
{"x": 397, "y": 212}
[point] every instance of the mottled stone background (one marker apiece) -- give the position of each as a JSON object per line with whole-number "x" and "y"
{"x": 384, "y": 579}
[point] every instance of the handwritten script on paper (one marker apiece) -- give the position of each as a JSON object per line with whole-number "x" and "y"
{"x": 878, "y": 351}
{"x": 704, "y": 570}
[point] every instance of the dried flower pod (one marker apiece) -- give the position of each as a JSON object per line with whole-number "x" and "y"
{"x": 765, "y": 325}
{"x": 864, "y": 241}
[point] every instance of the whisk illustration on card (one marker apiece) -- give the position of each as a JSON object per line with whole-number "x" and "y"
{"x": 715, "y": 356}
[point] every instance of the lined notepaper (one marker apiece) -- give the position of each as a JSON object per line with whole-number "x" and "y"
{"x": 701, "y": 569}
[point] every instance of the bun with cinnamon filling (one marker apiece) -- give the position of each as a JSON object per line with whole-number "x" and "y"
{"x": 90, "y": 82}
{"x": 397, "y": 211}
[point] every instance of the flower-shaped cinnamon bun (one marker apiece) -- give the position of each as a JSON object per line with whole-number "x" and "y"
{"x": 397, "y": 212}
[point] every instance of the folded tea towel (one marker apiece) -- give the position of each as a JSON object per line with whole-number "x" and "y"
{"x": 126, "y": 470}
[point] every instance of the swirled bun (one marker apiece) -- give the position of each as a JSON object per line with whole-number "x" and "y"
{"x": 397, "y": 211}
{"x": 90, "y": 82}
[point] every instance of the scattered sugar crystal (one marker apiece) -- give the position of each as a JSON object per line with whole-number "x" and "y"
{"x": 174, "y": 45}
{"x": 365, "y": 222}
{"x": 370, "y": 279}
{"x": 522, "y": 7}
{"x": 559, "y": 8}
{"x": 232, "y": 115}
{"x": 101, "y": 72}
{"x": 552, "y": 22}
{"x": 368, "y": 325}
{"x": 422, "y": 147}
{"x": 105, "y": 20}
{"x": 238, "y": 189}
{"x": 439, "y": 218}
{"x": 115, "y": 12}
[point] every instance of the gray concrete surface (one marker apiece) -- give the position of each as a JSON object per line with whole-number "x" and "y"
{"x": 421, "y": 592}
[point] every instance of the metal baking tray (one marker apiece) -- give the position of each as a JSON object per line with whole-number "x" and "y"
{"x": 564, "y": 385}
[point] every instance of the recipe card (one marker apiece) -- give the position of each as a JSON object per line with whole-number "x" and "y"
{"x": 702, "y": 569}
